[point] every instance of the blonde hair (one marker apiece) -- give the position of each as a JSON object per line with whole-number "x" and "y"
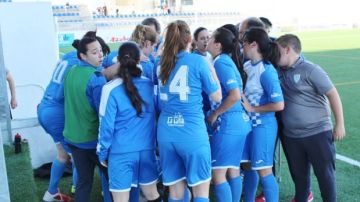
{"x": 143, "y": 33}
{"x": 177, "y": 37}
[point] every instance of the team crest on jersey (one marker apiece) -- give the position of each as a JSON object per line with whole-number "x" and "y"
{"x": 296, "y": 78}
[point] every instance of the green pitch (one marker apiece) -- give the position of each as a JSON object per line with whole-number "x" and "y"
{"x": 338, "y": 52}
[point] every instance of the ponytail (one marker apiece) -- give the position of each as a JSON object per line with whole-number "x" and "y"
{"x": 237, "y": 58}
{"x": 143, "y": 33}
{"x": 230, "y": 45}
{"x": 129, "y": 57}
{"x": 273, "y": 54}
{"x": 177, "y": 38}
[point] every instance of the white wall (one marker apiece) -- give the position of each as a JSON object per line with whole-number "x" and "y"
{"x": 30, "y": 50}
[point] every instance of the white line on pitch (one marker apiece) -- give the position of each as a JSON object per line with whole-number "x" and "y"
{"x": 348, "y": 160}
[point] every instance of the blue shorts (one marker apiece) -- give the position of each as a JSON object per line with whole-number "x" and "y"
{"x": 227, "y": 144}
{"x": 130, "y": 169}
{"x": 52, "y": 119}
{"x": 263, "y": 144}
{"x": 247, "y": 146}
{"x": 185, "y": 160}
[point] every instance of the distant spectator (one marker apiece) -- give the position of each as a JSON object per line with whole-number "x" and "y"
{"x": 10, "y": 80}
{"x": 105, "y": 11}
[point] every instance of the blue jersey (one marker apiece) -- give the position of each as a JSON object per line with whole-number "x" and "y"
{"x": 54, "y": 92}
{"x": 146, "y": 67}
{"x": 262, "y": 87}
{"x": 181, "y": 118}
{"x": 229, "y": 78}
{"x": 121, "y": 130}
{"x": 110, "y": 59}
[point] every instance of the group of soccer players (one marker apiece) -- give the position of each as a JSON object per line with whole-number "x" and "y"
{"x": 187, "y": 107}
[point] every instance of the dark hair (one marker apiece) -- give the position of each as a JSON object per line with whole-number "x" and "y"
{"x": 267, "y": 48}
{"x": 266, "y": 22}
{"x": 197, "y": 31}
{"x": 233, "y": 29}
{"x": 254, "y": 23}
{"x": 92, "y": 34}
{"x": 82, "y": 46}
{"x": 129, "y": 57}
{"x": 105, "y": 48}
{"x": 290, "y": 40}
{"x": 230, "y": 45}
{"x": 177, "y": 37}
{"x": 152, "y": 21}
{"x": 75, "y": 43}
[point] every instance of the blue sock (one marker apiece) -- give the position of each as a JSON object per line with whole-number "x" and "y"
{"x": 223, "y": 192}
{"x": 251, "y": 181}
{"x": 74, "y": 175}
{"x": 270, "y": 188}
{"x": 236, "y": 188}
{"x": 187, "y": 194}
{"x": 105, "y": 187}
{"x": 200, "y": 199}
{"x": 134, "y": 194}
{"x": 57, "y": 171}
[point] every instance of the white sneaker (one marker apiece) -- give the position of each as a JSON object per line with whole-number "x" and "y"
{"x": 56, "y": 197}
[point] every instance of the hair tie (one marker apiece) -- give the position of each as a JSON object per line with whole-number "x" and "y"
{"x": 127, "y": 56}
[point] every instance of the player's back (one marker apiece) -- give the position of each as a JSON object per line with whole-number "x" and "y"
{"x": 131, "y": 132}
{"x": 181, "y": 99}
{"x": 55, "y": 90}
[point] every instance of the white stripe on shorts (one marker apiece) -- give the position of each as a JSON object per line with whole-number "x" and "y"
{"x": 260, "y": 168}
{"x": 200, "y": 182}
{"x": 225, "y": 167}
{"x": 173, "y": 182}
{"x": 120, "y": 190}
{"x": 149, "y": 183}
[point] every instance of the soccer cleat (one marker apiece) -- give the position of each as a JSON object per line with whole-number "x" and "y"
{"x": 310, "y": 197}
{"x": 56, "y": 197}
{"x": 260, "y": 198}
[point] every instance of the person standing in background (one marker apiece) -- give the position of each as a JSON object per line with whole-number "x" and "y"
{"x": 308, "y": 134}
{"x": 12, "y": 88}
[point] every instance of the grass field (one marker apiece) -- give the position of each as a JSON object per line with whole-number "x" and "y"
{"x": 338, "y": 52}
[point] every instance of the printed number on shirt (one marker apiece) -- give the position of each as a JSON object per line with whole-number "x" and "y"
{"x": 59, "y": 71}
{"x": 178, "y": 85}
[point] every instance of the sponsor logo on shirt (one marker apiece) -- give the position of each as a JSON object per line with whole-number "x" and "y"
{"x": 274, "y": 95}
{"x": 177, "y": 120}
{"x": 230, "y": 81}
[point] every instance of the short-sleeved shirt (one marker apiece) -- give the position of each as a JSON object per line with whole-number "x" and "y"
{"x": 229, "y": 78}
{"x": 110, "y": 59}
{"x": 262, "y": 87}
{"x": 181, "y": 118}
{"x": 306, "y": 111}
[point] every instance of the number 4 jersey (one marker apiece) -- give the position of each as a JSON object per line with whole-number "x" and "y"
{"x": 181, "y": 118}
